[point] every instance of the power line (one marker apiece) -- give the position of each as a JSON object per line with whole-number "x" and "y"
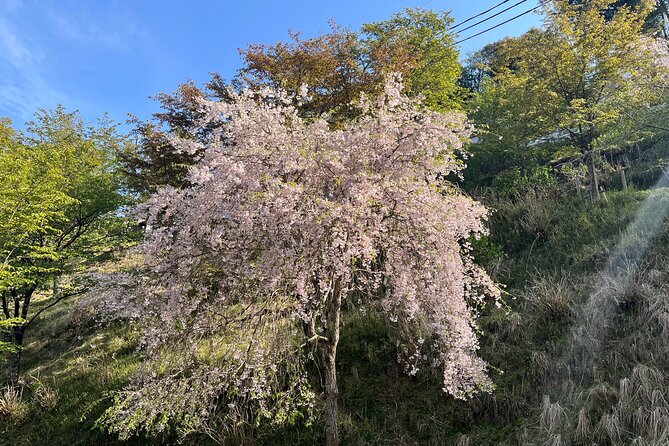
{"x": 492, "y": 16}
{"x": 541, "y": 3}
{"x": 479, "y": 14}
{"x": 500, "y": 24}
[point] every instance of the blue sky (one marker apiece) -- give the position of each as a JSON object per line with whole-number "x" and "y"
{"x": 110, "y": 56}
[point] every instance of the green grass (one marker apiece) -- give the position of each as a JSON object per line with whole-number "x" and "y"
{"x": 82, "y": 365}
{"x": 561, "y": 237}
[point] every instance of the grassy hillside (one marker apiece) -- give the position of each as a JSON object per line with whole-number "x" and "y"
{"x": 70, "y": 368}
{"x": 550, "y": 248}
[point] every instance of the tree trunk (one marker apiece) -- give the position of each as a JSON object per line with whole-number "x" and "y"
{"x": 331, "y": 397}
{"x": 15, "y": 337}
{"x": 623, "y": 178}
{"x": 662, "y": 4}
{"x": 329, "y": 353}
{"x": 592, "y": 171}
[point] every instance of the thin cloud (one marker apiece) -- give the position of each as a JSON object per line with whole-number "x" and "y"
{"x": 23, "y": 97}
{"x": 32, "y": 38}
{"x": 117, "y": 33}
{"x": 23, "y": 77}
{"x": 14, "y": 51}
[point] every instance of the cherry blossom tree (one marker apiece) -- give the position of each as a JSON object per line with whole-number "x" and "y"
{"x": 287, "y": 224}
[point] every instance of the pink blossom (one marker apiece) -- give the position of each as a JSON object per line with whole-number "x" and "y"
{"x": 283, "y": 214}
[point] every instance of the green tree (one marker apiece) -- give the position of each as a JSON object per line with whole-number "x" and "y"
{"x": 59, "y": 205}
{"x": 418, "y": 44}
{"x": 505, "y": 152}
{"x": 340, "y": 65}
{"x": 573, "y": 80}
{"x": 655, "y": 21}
{"x": 480, "y": 66}
{"x": 153, "y": 161}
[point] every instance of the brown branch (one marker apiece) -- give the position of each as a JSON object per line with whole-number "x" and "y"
{"x": 58, "y": 299}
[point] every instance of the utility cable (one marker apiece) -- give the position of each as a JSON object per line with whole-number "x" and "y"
{"x": 479, "y": 14}
{"x": 492, "y": 16}
{"x": 499, "y": 24}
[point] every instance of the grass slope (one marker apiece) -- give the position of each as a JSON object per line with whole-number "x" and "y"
{"x": 546, "y": 247}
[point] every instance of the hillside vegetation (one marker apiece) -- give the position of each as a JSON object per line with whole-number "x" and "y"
{"x": 73, "y": 364}
{"x": 476, "y": 256}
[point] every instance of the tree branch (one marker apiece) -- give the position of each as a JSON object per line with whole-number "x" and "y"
{"x": 58, "y": 299}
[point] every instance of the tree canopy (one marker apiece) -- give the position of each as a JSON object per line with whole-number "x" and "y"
{"x": 338, "y": 66}
{"x": 288, "y": 224}
{"x": 335, "y": 68}
{"x": 58, "y": 196}
{"x": 569, "y": 82}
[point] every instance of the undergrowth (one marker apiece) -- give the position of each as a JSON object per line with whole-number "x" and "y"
{"x": 547, "y": 247}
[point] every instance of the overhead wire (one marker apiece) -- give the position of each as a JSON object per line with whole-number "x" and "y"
{"x": 500, "y": 24}
{"x": 541, "y": 3}
{"x": 492, "y": 16}
{"x": 479, "y": 14}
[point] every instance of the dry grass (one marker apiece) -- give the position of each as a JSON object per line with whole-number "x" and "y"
{"x": 609, "y": 430}
{"x": 555, "y": 440}
{"x": 618, "y": 391}
{"x": 583, "y": 426}
{"x": 45, "y": 395}
{"x": 552, "y": 416}
{"x": 12, "y": 405}
{"x": 462, "y": 440}
{"x": 602, "y": 395}
{"x": 549, "y": 297}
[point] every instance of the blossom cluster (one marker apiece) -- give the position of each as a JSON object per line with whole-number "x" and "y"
{"x": 286, "y": 214}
